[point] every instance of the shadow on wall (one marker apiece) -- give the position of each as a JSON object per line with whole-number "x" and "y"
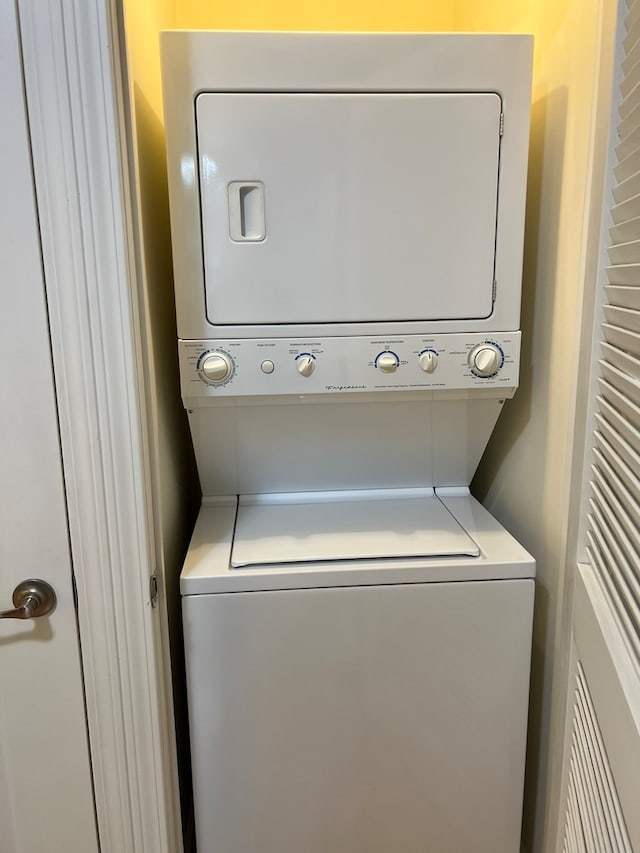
{"x": 522, "y": 430}
{"x": 177, "y": 493}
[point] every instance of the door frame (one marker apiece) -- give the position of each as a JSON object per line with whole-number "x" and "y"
{"x": 75, "y": 92}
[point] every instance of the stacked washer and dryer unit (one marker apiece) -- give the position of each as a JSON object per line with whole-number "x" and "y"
{"x": 347, "y": 219}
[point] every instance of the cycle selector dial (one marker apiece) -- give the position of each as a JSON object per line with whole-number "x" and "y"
{"x": 387, "y": 362}
{"x": 428, "y": 360}
{"x": 305, "y": 364}
{"x": 486, "y": 359}
{"x": 215, "y": 368}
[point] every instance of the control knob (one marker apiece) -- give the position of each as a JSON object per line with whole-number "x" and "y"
{"x": 387, "y": 362}
{"x": 305, "y": 364}
{"x": 428, "y": 360}
{"x": 215, "y": 368}
{"x": 485, "y": 359}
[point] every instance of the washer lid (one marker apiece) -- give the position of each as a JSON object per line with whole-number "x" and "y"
{"x": 304, "y": 530}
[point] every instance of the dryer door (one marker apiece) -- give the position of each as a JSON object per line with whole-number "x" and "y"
{"x": 332, "y": 208}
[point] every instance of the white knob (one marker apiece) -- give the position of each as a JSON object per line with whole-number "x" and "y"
{"x": 216, "y": 368}
{"x": 428, "y": 361}
{"x": 305, "y": 365}
{"x": 485, "y": 359}
{"x": 387, "y": 362}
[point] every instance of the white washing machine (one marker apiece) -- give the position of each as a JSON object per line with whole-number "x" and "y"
{"x": 358, "y": 674}
{"x": 347, "y": 216}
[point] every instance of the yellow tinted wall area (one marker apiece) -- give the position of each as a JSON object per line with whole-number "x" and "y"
{"x": 405, "y": 15}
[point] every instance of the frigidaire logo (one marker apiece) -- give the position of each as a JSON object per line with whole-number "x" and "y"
{"x": 345, "y": 387}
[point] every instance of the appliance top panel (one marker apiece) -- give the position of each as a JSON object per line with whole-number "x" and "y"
{"x": 346, "y": 183}
{"x": 298, "y": 531}
{"x": 348, "y": 208}
{"x": 395, "y": 526}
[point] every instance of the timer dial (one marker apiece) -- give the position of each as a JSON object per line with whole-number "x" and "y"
{"x": 485, "y": 359}
{"x": 215, "y": 368}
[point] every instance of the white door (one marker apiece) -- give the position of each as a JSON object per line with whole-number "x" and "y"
{"x": 46, "y": 798}
{"x": 320, "y": 208}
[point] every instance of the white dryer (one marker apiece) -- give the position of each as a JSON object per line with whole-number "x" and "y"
{"x": 347, "y": 217}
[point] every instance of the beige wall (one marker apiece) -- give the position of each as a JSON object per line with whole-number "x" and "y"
{"x": 525, "y": 476}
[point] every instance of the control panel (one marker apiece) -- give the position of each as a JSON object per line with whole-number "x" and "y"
{"x": 249, "y": 367}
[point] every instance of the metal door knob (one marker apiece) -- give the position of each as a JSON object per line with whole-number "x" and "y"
{"x": 31, "y": 598}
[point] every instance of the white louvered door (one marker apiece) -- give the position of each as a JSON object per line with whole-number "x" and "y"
{"x": 603, "y": 778}
{"x": 594, "y": 819}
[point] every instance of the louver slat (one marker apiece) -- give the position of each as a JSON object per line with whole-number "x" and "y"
{"x": 591, "y": 767}
{"x": 574, "y": 842}
{"x": 631, "y": 208}
{"x": 608, "y": 460}
{"x": 631, "y": 80}
{"x": 601, "y": 764}
{"x": 628, "y": 145}
{"x": 631, "y": 58}
{"x": 621, "y": 338}
{"x": 607, "y": 477}
{"x": 629, "y": 410}
{"x": 633, "y": 17}
{"x": 585, "y": 813}
{"x": 621, "y": 381}
{"x": 595, "y": 807}
{"x": 625, "y": 253}
{"x": 632, "y": 36}
{"x": 630, "y": 165}
{"x": 622, "y": 360}
{"x": 628, "y": 187}
{"x": 623, "y": 527}
{"x": 613, "y": 442}
{"x": 594, "y": 822}
{"x": 625, "y": 232}
{"x": 632, "y": 122}
{"x": 623, "y": 296}
{"x": 609, "y": 563}
{"x": 624, "y": 318}
{"x": 632, "y": 99}
{"x": 626, "y": 274}
{"x": 613, "y": 429}
{"x": 615, "y": 545}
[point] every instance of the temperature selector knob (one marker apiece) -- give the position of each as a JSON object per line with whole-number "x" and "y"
{"x": 215, "y": 368}
{"x": 428, "y": 360}
{"x": 485, "y": 359}
{"x": 305, "y": 364}
{"x": 387, "y": 362}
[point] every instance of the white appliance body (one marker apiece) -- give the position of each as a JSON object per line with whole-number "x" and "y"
{"x": 360, "y": 719}
{"x": 349, "y": 704}
{"x": 347, "y": 219}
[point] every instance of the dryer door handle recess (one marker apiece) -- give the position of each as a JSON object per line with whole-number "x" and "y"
{"x": 246, "y": 211}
